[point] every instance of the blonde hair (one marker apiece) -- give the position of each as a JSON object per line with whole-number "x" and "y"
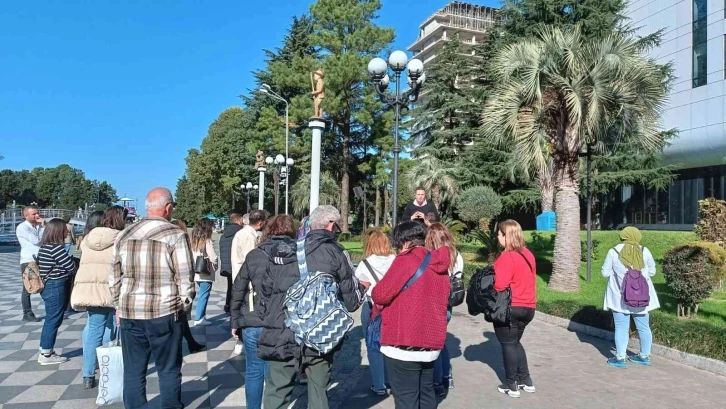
{"x": 377, "y": 244}
{"x": 439, "y": 236}
{"x": 513, "y": 236}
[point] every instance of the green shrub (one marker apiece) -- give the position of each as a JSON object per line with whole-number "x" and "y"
{"x": 387, "y": 229}
{"x": 593, "y": 250}
{"x": 541, "y": 242}
{"x": 690, "y": 275}
{"x": 477, "y": 203}
{"x": 345, "y": 236}
{"x": 712, "y": 221}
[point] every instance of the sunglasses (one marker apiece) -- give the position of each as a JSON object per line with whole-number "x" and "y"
{"x": 336, "y": 228}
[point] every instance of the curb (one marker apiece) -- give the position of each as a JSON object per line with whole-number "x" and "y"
{"x": 695, "y": 361}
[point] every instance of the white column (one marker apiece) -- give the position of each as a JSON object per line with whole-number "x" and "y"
{"x": 317, "y": 127}
{"x": 261, "y": 196}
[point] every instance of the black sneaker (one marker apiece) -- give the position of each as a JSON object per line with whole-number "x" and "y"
{"x": 89, "y": 383}
{"x": 439, "y": 389}
{"x": 30, "y": 317}
{"x": 511, "y": 390}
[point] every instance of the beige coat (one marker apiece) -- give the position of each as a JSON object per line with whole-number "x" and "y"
{"x": 212, "y": 257}
{"x": 243, "y": 242}
{"x": 91, "y": 285}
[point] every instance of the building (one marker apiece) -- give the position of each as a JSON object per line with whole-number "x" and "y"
{"x": 694, "y": 41}
{"x": 469, "y": 21}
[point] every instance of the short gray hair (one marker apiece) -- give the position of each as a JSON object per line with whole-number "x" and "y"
{"x": 158, "y": 198}
{"x": 246, "y": 219}
{"x": 321, "y": 217}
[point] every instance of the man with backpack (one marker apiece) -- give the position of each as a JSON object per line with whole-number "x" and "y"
{"x": 297, "y": 274}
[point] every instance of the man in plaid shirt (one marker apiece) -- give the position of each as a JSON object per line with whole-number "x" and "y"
{"x": 152, "y": 276}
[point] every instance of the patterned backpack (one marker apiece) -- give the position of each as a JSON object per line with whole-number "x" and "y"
{"x": 314, "y": 312}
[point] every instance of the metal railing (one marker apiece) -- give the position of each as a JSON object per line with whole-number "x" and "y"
{"x": 10, "y": 218}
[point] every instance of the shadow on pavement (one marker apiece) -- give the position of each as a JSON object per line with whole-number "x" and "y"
{"x": 488, "y": 352}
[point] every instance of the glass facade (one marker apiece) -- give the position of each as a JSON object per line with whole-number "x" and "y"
{"x": 700, "y": 39}
{"x": 675, "y": 207}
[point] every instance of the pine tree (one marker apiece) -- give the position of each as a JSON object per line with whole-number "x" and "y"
{"x": 347, "y": 37}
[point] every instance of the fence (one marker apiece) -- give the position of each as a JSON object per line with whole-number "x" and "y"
{"x": 10, "y": 218}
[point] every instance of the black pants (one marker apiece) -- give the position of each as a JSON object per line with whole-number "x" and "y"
{"x": 509, "y": 335}
{"x": 280, "y": 381}
{"x": 228, "y": 299}
{"x": 163, "y": 338}
{"x": 187, "y": 332}
{"x": 412, "y": 384}
{"x": 25, "y": 295}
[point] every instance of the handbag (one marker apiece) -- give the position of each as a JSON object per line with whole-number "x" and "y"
{"x": 373, "y": 334}
{"x": 204, "y": 266}
{"x": 32, "y": 280}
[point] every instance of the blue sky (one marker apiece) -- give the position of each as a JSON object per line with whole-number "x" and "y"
{"x": 122, "y": 90}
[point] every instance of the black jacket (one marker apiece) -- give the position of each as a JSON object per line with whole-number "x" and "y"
{"x": 323, "y": 253}
{"x": 254, "y": 269}
{"x": 225, "y": 246}
{"x": 411, "y": 208}
{"x": 483, "y": 298}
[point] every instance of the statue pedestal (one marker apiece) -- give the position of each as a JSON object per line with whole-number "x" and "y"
{"x": 317, "y": 126}
{"x": 261, "y": 194}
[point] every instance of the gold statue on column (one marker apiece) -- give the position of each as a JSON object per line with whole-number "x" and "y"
{"x": 260, "y": 160}
{"x": 318, "y": 87}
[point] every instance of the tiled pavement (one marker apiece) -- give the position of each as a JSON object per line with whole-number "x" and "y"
{"x": 569, "y": 371}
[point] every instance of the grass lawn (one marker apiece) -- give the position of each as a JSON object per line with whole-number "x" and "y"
{"x": 704, "y": 335}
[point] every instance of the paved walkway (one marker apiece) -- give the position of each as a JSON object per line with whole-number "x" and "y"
{"x": 569, "y": 371}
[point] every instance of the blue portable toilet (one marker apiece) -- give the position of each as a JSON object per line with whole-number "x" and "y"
{"x": 547, "y": 221}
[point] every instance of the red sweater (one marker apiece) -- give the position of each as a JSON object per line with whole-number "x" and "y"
{"x": 511, "y": 270}
{"x": 416, "y": 317}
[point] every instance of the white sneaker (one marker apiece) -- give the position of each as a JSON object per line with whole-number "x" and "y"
{"x": 51, "y": 359}
{"x": 238, "y": 348}
{"x": 202, "y": 322}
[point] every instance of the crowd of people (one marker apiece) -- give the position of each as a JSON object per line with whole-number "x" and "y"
{"x": 139, "y": 283}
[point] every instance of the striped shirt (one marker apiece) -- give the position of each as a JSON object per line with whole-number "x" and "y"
{"x": 152, "y": 269}
{"x": 54, "y": 262}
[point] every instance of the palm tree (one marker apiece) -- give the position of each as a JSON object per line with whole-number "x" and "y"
{"x": 573, "y": 90}
{"x": 300, "y": 193}
{"x": 436, "y": 176}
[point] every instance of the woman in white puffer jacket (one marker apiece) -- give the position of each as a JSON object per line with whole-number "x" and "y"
{"x": 91, "y": 292}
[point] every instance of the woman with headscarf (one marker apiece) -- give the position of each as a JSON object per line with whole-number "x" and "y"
{"x": 629, "y": 255}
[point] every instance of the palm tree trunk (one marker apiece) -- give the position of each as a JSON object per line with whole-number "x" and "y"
{"x": 546, "y": 186}
{"x": 436, "y": 195}
{"x": 378, "y": 206}
{"x": 566, "y": 266}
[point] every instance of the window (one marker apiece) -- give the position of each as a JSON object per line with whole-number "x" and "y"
{"x": 700, "y": 38}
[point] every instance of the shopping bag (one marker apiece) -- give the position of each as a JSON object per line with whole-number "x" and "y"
{"x": 111, "y": 373}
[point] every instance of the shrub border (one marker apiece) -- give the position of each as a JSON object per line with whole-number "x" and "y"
{"x": 696, "y": 361}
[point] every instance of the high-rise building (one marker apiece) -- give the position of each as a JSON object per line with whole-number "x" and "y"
{"x": 471, "y": 22}
{"x": 694, "y": 41}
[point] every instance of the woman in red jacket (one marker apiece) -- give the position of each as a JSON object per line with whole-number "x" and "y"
{"x": 515, "y": 268}
{"x": 413, "y": 326}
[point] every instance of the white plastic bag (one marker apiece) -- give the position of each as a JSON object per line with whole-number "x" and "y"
{"x": 111, "y": 373}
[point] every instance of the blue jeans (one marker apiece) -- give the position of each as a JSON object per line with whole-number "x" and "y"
{"x": 205, "y": 289}
{"x": 68, "y": 246}
{"x": 622, "y": 333}
{"x": 56, "y": 296}
{"x": 141, "y": 338}
{"x": 376, "y": 362}
{"x": 255, "y": 368}
{"x": 442, "y": 365}
{"x": 100, "y": 330}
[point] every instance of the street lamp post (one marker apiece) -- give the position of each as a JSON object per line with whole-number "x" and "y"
{"x": 248, "y": 188}
{"x": 261, "y": 194}
{"x": 279, "y": 161}
{"x": 266, "y": 89}
{"x": 288, "y": 168}
{"x": 378, "y": 68}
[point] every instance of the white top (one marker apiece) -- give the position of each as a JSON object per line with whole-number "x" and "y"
{"x": 613, "y": 270}
{"x": 243, "y": 242}
{"x": 380, "y": 265}
{"x": 409, "y": 356}
{"x": 459, "y": 265}
{"x": 29, "y": 239}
